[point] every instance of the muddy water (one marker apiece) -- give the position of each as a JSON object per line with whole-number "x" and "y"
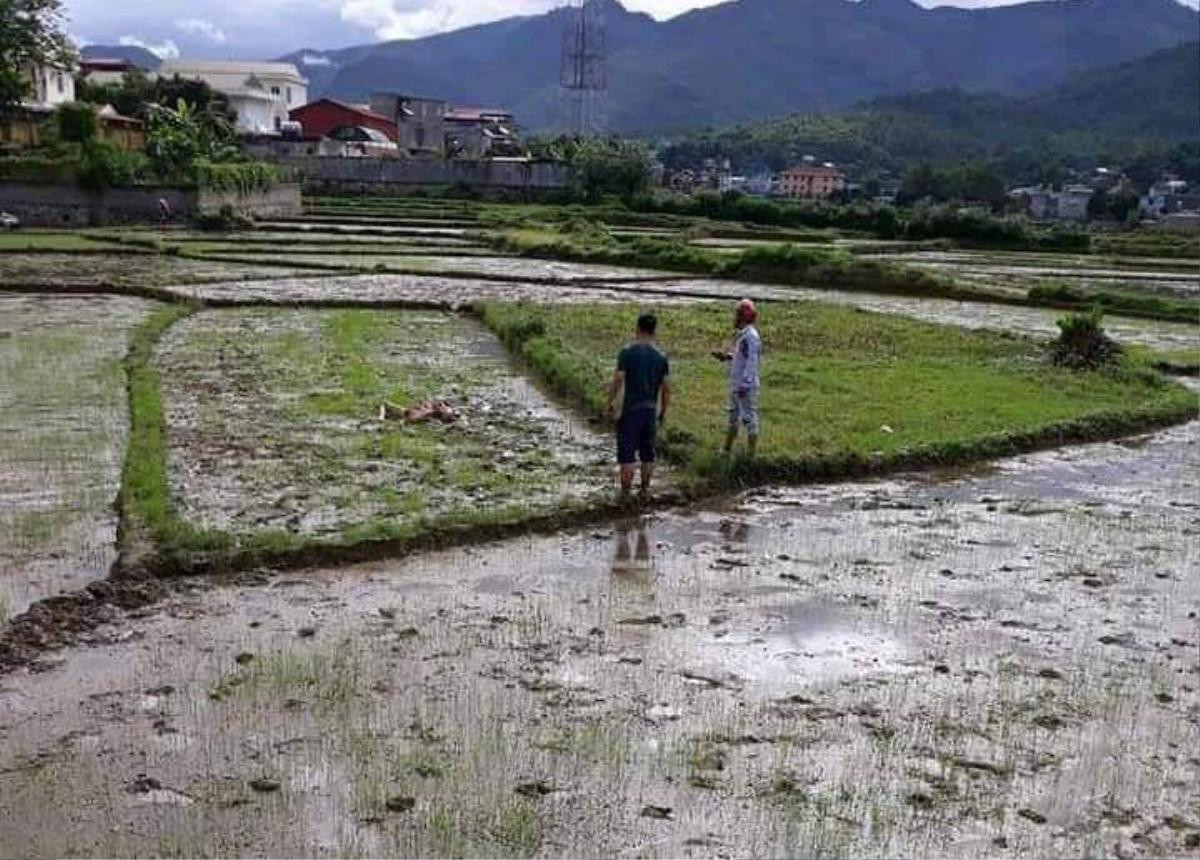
{"x": 1001, "y": 662}
{"x": 266, "y": 432}
{"x": 62, "y": 436}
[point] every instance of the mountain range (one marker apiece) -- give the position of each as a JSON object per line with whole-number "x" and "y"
{"x": 1141, "y": 109}
{"x": 750, "y": 59}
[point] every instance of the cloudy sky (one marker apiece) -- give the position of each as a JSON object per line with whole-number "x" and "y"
{"x": 267, "y": 28}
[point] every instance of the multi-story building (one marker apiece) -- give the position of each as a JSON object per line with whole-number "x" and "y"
{"x": 50, "y": 87}
{"x": 261, "y": 94}
{"x": 811, "y": 181}
{"x": 420, "y": 123}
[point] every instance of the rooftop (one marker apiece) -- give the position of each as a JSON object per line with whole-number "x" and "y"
{"x": 184, "y": 68}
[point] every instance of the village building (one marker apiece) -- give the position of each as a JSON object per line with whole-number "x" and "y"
{"x": 106, "y": 70}
{"x": 1168, "y": 198}
{"x": 420, "y": 122}
{"x": 261, "y": 94}
{"x": 820, "y": 181}
{"x": 320, "y": 118}
{"x": 479, "y": 133}
{"x": 48, "y": 88}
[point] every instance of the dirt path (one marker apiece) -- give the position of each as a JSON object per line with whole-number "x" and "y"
{"x": 1002, "y": 662}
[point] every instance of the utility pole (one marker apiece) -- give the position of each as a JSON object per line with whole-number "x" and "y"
{"x": 584, "y": 74}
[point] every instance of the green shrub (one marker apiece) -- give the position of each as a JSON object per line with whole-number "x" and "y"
{"x": 105, "y": 165}
{"x": 225, "y": 220}
{"x": 244, "y": 177}
{"x": 76, "y": 122}
{"x": 1082, "y": 343}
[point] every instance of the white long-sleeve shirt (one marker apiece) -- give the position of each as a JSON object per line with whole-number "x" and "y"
{"x": 747, "y": 350}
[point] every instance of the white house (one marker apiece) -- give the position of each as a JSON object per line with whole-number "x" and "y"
{"x": 51, "y": 87}
{"x": 260, "y": 93}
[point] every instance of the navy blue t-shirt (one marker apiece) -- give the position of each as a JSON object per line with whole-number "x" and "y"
{"x": 645, "y": 368}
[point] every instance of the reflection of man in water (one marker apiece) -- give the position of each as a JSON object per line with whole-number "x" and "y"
{"x": 623, "y": 562}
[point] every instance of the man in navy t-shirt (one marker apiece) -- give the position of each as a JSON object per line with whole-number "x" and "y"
{"x": 643, "y": 371}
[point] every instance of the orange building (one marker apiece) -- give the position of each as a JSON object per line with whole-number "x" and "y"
{"x": 811, "y": 180}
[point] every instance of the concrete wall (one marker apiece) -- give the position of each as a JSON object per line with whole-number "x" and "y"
{"x": 71, "y": 206}
{"x": 387, "y": 176}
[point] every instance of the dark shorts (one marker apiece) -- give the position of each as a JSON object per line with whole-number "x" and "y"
{"x": 635, "y": 435}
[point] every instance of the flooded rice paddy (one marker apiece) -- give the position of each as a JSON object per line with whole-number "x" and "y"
{"x": 461, "y": 292}
{"x": 1000, "y": 663}
{"x": 63, "y": 426}
{"x": 517, "y": 269}
{"x": 274, "y": 422}
{"x": 124, "y": 270}
{"x": 1021, "y": 271}
{"x": 996, "y": 662}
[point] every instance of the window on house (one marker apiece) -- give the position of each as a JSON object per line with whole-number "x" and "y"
{"x": 274, "y": 91}
{"x": 278, "y": 123}
{"x": 289, "y": 95}
{"x": 58, "y": 79}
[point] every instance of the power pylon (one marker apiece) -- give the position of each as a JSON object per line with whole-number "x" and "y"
{"x": 584, "y": 75}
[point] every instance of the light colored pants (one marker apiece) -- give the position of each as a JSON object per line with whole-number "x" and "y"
{"x": 743, "y": 409}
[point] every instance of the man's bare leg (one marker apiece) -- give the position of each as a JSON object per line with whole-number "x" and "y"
{"x": 627, "y": 470}
{"x": 647, "y": 474}
{"x": 730, "y": 436}
{"x": 751, "y": 445}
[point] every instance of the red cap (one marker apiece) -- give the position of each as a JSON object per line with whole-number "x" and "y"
{"x": 747, "y": 313}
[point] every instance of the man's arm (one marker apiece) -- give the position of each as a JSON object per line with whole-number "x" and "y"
{"x": 664, "y": 398}
{"x": 752, "y": 347}
{"x": 614, "y": 387}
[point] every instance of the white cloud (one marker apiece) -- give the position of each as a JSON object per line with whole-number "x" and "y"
{"x": 409, "y": 19}
{"x": 315, "y": 60}
{"x": 164, "y": 50}
{"x": 200, "y": 27}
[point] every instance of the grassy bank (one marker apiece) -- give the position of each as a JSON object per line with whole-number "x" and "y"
{"x": 786, "y": 264}
{"x": 846, "y": 392}
{"x": 1120, "y": 302}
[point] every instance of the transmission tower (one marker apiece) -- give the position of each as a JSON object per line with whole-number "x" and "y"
{"x": 584, "y": 75}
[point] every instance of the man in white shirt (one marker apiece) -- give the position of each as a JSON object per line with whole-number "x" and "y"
{"x": 743, "y": 376}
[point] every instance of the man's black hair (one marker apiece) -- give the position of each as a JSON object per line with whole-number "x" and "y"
{"x": 647, "y": 323}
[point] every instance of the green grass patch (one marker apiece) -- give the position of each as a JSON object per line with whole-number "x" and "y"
{"x": 150, "y": 525}
{"x": 1146, "y": 243}
{"x": 846, "y": 392}
{"x": 32, "y": 241}
{"x": 1119, "y": 302}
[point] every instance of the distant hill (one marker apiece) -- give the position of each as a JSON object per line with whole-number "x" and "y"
{"x": 750, "y": 59}
{"x": 1096, "y": 115}
{"x": 140, "y": 57}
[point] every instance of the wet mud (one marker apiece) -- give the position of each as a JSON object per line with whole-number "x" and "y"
{"x": 135, "y": 270}
{"x": 515, "y": 268}
{"x": 63, "y": 426}
{"x": 993, "y": 663}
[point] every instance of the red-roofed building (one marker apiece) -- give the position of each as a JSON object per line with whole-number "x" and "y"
{"x": 319, "y": 118}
